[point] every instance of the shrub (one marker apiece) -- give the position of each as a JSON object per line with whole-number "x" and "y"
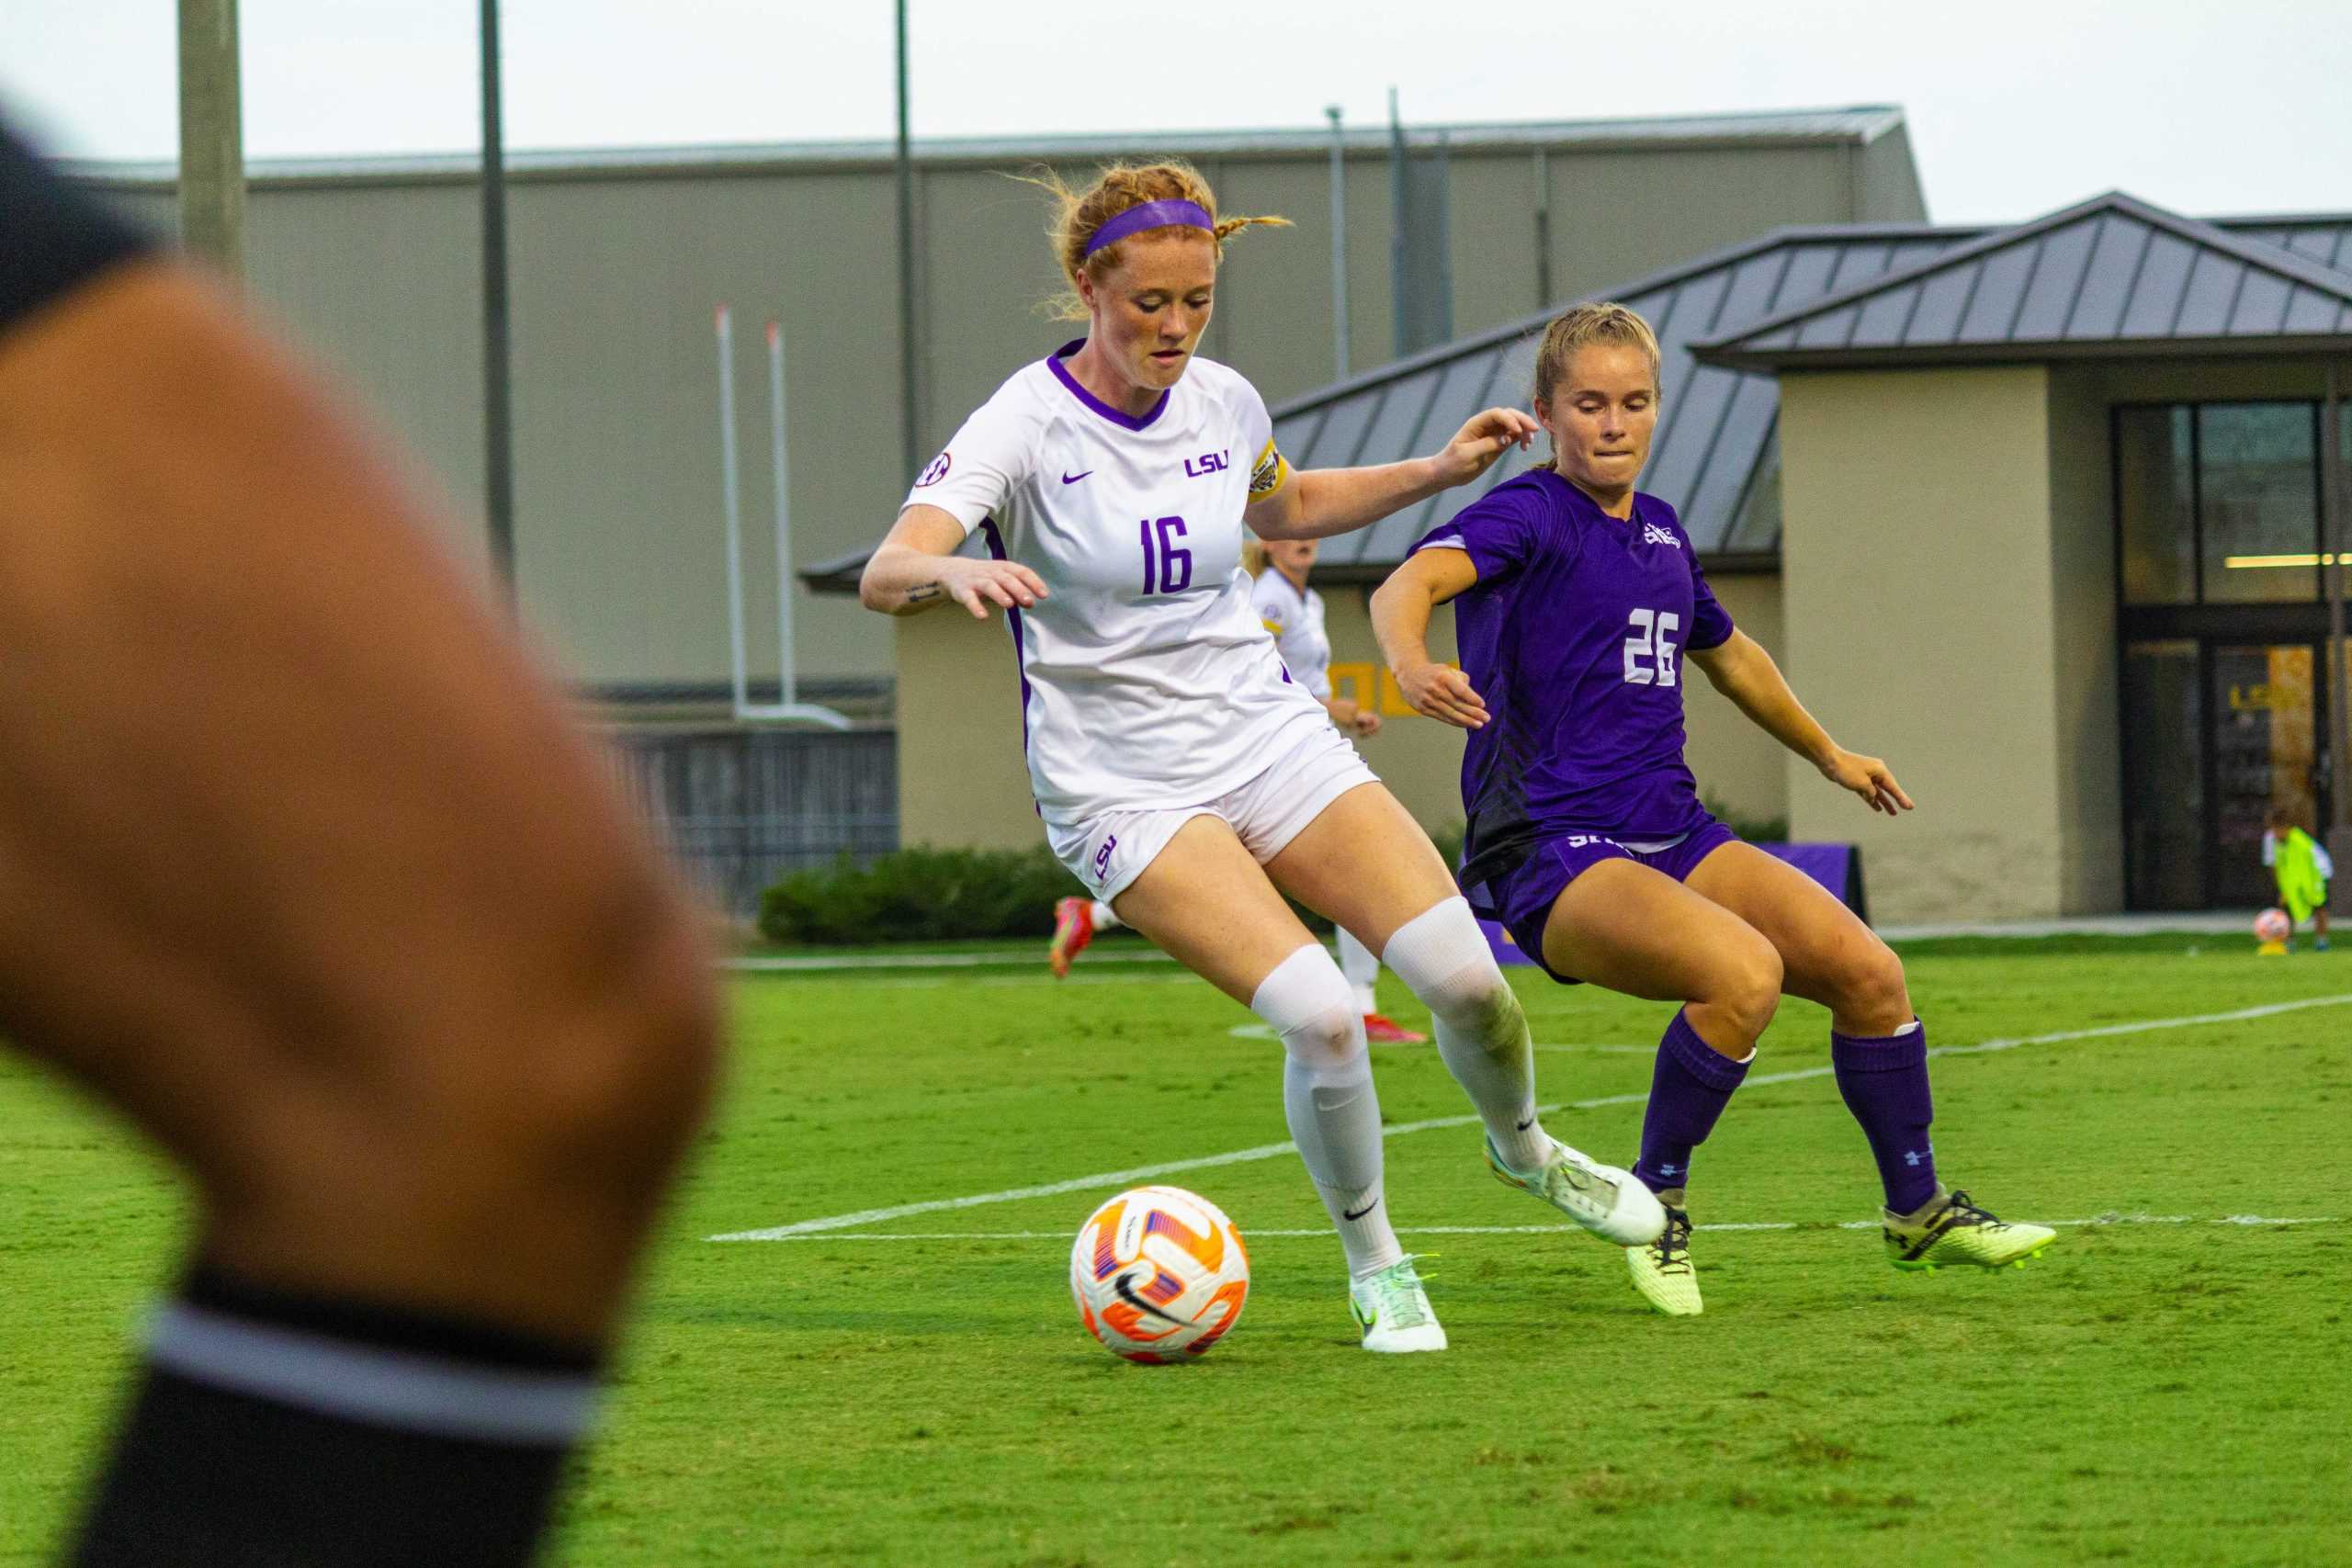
{"x": 919, "y": 895}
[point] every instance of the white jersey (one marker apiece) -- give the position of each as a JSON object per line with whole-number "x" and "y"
{"x": 1295, "y": 615}
{"x": 1147, "y": 677}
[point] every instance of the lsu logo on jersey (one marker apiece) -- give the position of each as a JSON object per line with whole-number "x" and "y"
{"x": 936, "y": 471}
{"x": 1268, "y": 474}
{"x": 1653, "y": 534}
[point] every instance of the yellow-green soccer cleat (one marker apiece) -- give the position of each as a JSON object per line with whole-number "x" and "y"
{"x": 1948, "y": 1230}
{"x": 1662, "y": 1270}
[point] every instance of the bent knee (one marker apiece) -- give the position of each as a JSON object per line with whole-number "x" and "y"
{"x": 1869, "y": 987}
{"x": 1330, "y": 1041}
{"x": 1746, "y": 989}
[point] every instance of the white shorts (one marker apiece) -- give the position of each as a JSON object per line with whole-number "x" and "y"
{"x": 1111, "y": 850}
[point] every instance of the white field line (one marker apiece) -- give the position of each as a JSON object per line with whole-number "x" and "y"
{"x": 1117, "y": 1178}
{"x": 1254, "y": 1234}
{"x": 1266, "y": 1031}
{"x": 821, "y": 962}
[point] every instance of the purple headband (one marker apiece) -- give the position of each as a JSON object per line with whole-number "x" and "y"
{"x": 1151, "y": 215}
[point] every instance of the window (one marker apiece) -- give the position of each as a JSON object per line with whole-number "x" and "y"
{"x": 2157, "y": 506}
{"x": 2257, "y": 500}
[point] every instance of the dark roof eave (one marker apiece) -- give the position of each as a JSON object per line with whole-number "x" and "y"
{"x": 1777, "y": 361}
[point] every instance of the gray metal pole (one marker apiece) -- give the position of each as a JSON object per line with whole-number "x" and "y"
{"x": 730, "y": 489}
{"x": 1400, "y": 320}
{"x": 788, "y": 678}
{"x": 1338, "y": 247}
{"x": 2332, "y": 509}
{"x": 909, "y": 436}
{"x": 212, "y": 137}
{"x": 1542, "y": 230}
{"x": 497, "y": 394}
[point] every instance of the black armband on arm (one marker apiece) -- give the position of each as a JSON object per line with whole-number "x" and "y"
{"x": 54, "y": 238}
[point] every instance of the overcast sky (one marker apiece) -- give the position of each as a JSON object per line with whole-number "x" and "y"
{"x": 2015, "y": 107}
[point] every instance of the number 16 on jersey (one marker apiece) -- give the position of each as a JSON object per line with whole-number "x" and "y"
{"x": 1166, "y": 567}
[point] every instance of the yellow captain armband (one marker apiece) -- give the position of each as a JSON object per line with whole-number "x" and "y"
{"x": 1268, "y": 473}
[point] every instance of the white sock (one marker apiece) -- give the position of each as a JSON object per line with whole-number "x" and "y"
{"x": 1362, "y": 969}
{"x": 1328, "y": 1099}
{"x": 1443, "y": 960}
{"x": 1105, "y": 916}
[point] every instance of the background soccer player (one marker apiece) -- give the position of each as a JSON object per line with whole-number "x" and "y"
{"x": 1576, "y": 599}
{"x": 2302, "y": 870}
{"x": 1293, "y": 613}
{"x": 302, "y": 872}
{"x": 1181, "y": 772}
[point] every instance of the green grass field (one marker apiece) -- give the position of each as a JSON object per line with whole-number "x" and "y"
{"x": 2168, "y": 1384}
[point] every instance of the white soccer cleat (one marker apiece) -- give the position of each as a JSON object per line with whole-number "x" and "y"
{"x": 1393, "y": 1311}
{"x": 1609, "y": 1202}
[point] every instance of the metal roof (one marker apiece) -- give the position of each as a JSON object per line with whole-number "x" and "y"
{"x": 1861, "y": 124}
{"x": 1715, "y": 428}
{"x": 2110, "y": 276}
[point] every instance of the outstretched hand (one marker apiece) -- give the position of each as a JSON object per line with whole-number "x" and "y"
{"x": 984, "y": 587}
{"x": 1867, "y": 777}
{"x": 1442, "y": 692}
{"x": 1486, "y": 438}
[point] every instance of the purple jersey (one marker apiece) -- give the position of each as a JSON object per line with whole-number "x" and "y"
{"x": 1574, "y": 636}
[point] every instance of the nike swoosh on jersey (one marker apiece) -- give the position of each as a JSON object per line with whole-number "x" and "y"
{"x": 1073, "y": 479}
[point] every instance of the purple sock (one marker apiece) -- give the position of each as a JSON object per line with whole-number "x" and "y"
{"x": 1688, "y": 1089}
{"x": 1885, "y": 1086}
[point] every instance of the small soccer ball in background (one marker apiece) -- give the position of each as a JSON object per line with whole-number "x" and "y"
{"x": 2272, "y": 925}
{"x": 1159, "y": 1274}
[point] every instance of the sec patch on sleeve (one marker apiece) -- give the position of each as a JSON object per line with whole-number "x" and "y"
{"x": 936, "y": 471}
{"x": 1268, "y": 474}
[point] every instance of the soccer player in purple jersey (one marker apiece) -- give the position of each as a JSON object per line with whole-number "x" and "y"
{"x": 1576, "y": 598}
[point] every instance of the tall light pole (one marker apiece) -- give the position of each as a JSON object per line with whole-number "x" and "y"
{"x": 1338, "y": 246}
{"x": 212, "y": 137}
{"x": 497, "y": 395}
{"x": 909, "y": 453}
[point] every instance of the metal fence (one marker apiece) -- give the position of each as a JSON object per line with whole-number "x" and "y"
{"x": 739, "y": 808}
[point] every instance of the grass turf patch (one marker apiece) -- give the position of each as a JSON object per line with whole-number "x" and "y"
{"x": 846, "y": 1400}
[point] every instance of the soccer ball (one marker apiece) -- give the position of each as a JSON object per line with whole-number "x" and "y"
{"x": 2272, "y": 925}
{"x": 1159, "y": 1274}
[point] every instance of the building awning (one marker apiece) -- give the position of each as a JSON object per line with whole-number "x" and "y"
{"x": 2113, "y": 276}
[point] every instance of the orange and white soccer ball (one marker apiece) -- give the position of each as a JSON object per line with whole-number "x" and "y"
{"x": 2272, "y": 925}
{"x": 1160, "y": 1274}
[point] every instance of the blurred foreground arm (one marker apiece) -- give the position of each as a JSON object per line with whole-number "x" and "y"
{"x": 303, "y": 870}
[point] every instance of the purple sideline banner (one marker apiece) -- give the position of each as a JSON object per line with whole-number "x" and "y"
{"x": 1837, "y": 867}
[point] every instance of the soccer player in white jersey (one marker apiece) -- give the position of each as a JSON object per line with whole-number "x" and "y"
{"x": 1180, "y": 770}
{"x": 1293, "y": 613}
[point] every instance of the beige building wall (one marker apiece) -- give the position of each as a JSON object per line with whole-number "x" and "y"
{"x": 2087, "y": 674}
{"x": 963, "y": 781}
{"x": 1922, "y": 585}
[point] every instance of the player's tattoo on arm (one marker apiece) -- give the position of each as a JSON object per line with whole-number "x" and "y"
{"x": 924, "y": 593}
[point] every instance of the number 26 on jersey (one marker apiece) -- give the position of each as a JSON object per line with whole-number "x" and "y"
{"x": 1649, "y": 652}
{"x": 1167, "y": 568}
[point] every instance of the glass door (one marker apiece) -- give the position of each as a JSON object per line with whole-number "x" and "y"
{"x": 2163, "y": 775}
{"x": 2264, "y": 753}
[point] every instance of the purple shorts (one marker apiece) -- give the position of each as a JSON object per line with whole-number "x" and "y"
{"x": 1525, "y": 898}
